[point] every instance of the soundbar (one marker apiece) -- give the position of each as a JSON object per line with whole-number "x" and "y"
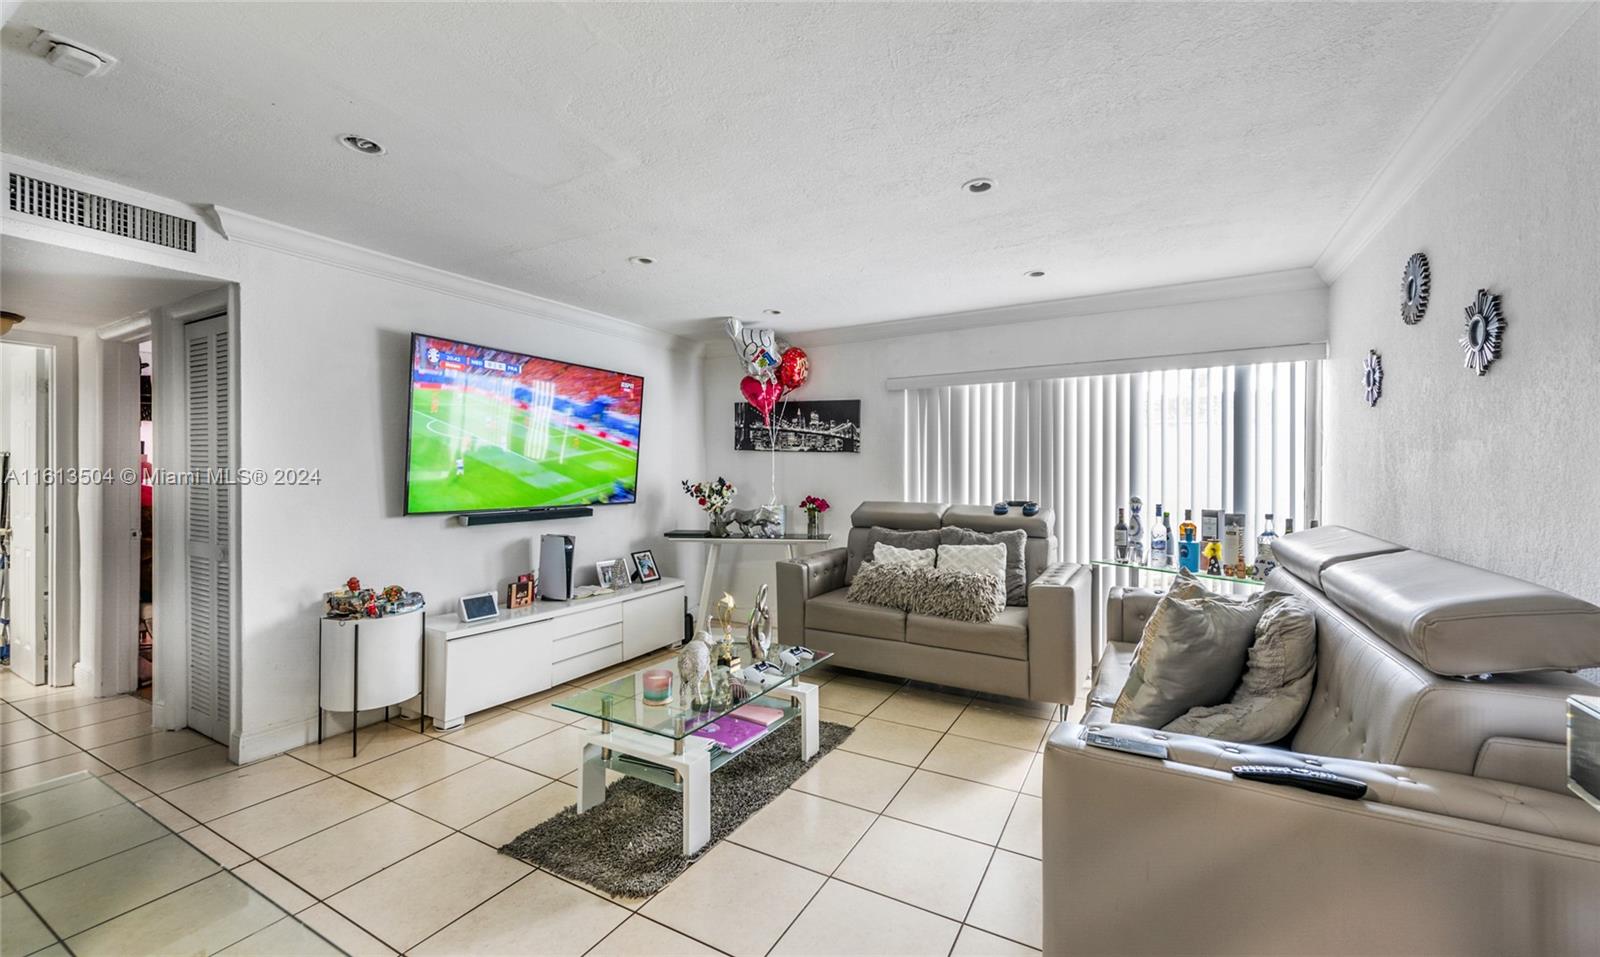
{"x": 525, "y": 515}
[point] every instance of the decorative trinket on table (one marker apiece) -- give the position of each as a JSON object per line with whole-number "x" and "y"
{"x": 759, "y": 631}
{"x": 657, "y": 686}
{"x": 1486, "y": 324}
{"x": 520, "y": 593}
{"x": 1414, "y": 289}
{"x": 694, "y": 668}
{"x": 714, "y": 498}
{"x": 727, "y": 656}
{"x": 1373, "y": 377}
{"x": 814, "y": 506}
{"x": 1213, "y": 556}
{"x": 357, "y": 602}
{"x": 759, "y": 522}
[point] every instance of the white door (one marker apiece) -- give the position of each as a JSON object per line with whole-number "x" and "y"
{"x": 24, "y": 432}
{"x": 208, "y": 523}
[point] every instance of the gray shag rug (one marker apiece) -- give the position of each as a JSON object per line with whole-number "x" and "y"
{"x": 632, "y": 844}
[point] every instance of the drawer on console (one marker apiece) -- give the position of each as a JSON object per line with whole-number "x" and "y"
{"x": 574, "y": 645}
{"x": 587, "y": 663}
{"x": 586, "y": 620}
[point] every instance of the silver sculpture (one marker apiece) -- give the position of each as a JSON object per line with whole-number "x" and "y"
{"x": 759, "y": 522}
{"x": 694, "y": 667}
{"x": 1486, "y": 324}
{"x": 1414, "y": 282}
{"x": 1374, "y": 377}
{"x": 759, "y": 630}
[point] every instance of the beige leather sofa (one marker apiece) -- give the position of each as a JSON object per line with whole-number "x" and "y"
{"x": 1467, "y": 843}
{"x": 1038, "y": 651}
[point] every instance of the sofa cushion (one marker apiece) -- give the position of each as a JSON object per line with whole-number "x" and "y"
{"x": 1276, "y": 686}
{"x": 917, "y": 539}
{"x": 885, "y": 554}
{"x": 834, "y": 611}
{"x": 1454, "y": 619}
{"x": 1110, "y": 674}
{"x": 885, "y": 583}
{"x": 1307, "y": 554}
{"x": 1015, "y": 541}
{"x": 1005, "y": 637}
{"x": 975, "y": 560}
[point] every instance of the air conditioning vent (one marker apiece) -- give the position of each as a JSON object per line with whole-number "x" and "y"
{"x": 63, "y": 204}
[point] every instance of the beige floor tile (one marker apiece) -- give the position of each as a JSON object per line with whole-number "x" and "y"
{"x": 855, "y": 695}
{"x": 199, "y": 919}
{"x": 973, "y": 942}
{"x": 9, "y": 714}
{"x": 546, "y": 708}
{"x": 805, "y": 829}
{"x": 854, "y": 779}
{"x": 170, "y": 817}
{"x": 697, "y": 903}
{"x": 551, "y": 755}
{"x": 47, "y": 747}
{"x": 539, "y": 914}
{"x": 964, "y": 808}
{"x": 458, "y": 873}
{"x": 44, "y": 854}
{"x": 981, "y": 761}
{"x": 1033, "y": 709}
{"x": 127, "y": 787}
{"x": 501, "y": 827}
{"x": 99, "y": 735}
{"x": 839, "y": 717}
{"x": 501, "y": 732}
{"x": 900, "y": 743}
{"x": 267, "y": 826}
{"x": 80, "y": 899}
{"x": 987, "y": 723}
{"x": 180, "y": 769}
{"x": 103, "y": 709}
{"x": 54, "y": 805}
{"x": 42, "y": 699}
{"x": 1024, "y": 831}
{"x": 212, "y": 845}
{"x": 149, "y": 747}
{"x": 372, "y": 742}
{"x": 275, "y": 886}
{"x": 412, "y": 768}
{"x": 642, "y": 937}
{"x": 21, "y": 730}
{"x": 50, "y": 770}
{"x": 344, "y": 935}
{"x": 1034, "y": 783}
{"x": 925, "y": 868}
{"x": 847, "y": 921}
{"x": 21, "y": 931}
{"x": 922, "y": 708}
{"x": 238, "y": 789}
{"x": 1009, "y": 902}
{"x": 468, "y": 795}
{"x": 331, "y": 860}
{"x": 286, "y": 938}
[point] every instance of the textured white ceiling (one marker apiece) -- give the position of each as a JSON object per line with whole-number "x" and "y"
{"x": 69, "y": 287}
{"x": 804, "y": 157}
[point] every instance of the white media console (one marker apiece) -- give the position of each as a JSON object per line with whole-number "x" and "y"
{"x": 527, "y": 650}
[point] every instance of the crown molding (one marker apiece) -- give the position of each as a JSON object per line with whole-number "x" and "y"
{"x": 1286, "y": 352}
{"x": 1519, "y": 37}
{"x": 249, "y": 230}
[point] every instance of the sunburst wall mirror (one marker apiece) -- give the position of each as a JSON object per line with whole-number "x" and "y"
{"x": 1414, "y": 289}
{"x": 1374, "y": 377}
{"x": 1485, "y": 329}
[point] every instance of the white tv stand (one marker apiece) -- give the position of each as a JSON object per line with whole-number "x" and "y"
{"x": 527, "y": 650}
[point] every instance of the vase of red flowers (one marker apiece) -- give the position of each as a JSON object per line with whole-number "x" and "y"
{"x": 714, "y": 498}
{"x": 814, "y": 507}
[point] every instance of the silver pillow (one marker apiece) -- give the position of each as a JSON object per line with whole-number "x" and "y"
{"x": 1276, "y": 687}
{"x": 1016, "y": 543}
{"x": 915, "y": 538}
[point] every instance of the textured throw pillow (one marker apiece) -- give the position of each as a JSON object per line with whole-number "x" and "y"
{"x": 1191, "y": 655}
{"x": 1016, "y": 543}
{"x": 960, "y": 596}
{"x": 1276, "y": 687}
{"x": 886, "y": 554}
{"x": 919, "y": 539}
{"x": 975, "y": 559}
{"x": 879, "y": 583}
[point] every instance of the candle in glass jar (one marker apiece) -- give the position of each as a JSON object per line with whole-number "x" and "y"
{"x": 657, "y": 686}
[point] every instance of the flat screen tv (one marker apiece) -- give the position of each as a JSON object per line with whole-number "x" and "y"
{"x": 492, "y": 430}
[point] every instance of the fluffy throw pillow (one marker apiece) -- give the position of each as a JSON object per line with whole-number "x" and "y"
{"x": 1276, "y": 687}
{"x": 1191, "y": 655}
{"x": 960, "y": 596}
{"x": 975, "y": 560}
{"x": 885, "y": 554}
{"x": 918, "y": 539}
{"x": 1016, "y": 543}
{"x": 881, "y": 583}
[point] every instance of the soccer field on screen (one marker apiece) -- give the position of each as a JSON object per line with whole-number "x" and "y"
{"x": 471, "y": 452}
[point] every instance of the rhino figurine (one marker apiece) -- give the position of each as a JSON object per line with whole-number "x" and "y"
{"x": 759, "y": 522}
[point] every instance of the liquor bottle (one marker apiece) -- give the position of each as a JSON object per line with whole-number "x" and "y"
{"x": 1265, "y": 562}
{"x": 1136, "y": 531}
{"x": 1120, "y": 538}
{"x": 1188, "y": 542}
{"x": 1160, "y": 536}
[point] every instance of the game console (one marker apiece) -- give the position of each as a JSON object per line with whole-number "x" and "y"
{"x": 555, "y": 566}
{"x": 1029, "y": 509}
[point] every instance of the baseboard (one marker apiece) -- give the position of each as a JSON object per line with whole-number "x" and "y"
{"x": 269, "y": 742}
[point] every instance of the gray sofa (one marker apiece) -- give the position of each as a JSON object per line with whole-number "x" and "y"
{"x": 1038, "y": 651}
{"x": 1467, "y": 842}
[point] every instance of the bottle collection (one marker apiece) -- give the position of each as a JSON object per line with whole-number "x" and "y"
{"x": 1215, "y": 547}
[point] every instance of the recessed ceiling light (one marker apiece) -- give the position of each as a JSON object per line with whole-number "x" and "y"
{"x": 1034, "y": 273}
{"x": 772, "y": 312}
{"x": 641, "y": 260}
{"x": 362, "y": 145}
{"x": 980, "y": 185}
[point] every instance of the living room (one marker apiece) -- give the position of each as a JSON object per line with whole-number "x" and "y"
{"x": 1027, "y": 336}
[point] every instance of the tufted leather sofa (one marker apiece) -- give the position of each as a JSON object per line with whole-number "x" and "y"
{"x": 1442, "y": 687}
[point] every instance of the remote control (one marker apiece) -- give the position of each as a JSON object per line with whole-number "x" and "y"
{"x": 1322, "y": 782}
{"x": 1111, "y": 742}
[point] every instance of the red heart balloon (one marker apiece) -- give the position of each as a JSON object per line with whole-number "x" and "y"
{"x": 795, "y": 368}
{"x": 762, "y": 395}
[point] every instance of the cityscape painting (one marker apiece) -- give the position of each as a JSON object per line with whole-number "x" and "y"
{"x": 827, "y": 426}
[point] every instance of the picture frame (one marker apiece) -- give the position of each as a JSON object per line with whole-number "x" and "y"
{"x": 521, "y": 593}
{"x": 607, "y": 572}
{"x": 644, "y": 562}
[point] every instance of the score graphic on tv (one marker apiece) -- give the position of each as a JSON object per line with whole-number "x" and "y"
{"x": 491, "y": 429}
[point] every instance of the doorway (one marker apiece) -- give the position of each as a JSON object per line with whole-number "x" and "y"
{"x": 25, "y": 510}
{"x": 145, "y": 667}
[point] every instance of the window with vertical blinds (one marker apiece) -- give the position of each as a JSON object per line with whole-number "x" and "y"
{"x": 1242, "y": 438}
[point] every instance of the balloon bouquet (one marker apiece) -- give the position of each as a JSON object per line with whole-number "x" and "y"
{"x": 773, "y": 370}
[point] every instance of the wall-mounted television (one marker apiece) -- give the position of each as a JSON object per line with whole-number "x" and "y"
{"x": 492, "y": 430}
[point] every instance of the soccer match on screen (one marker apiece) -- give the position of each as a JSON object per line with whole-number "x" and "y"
{"x": 502, "y": 430}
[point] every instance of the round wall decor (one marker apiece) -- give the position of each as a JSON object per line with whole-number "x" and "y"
{"x": 1486, "y": 324}
{"x": 1414, "y": 289}
{"x": 1374, "y": 377}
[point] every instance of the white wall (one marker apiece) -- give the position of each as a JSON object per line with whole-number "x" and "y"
{"x": 1501, "y": 471}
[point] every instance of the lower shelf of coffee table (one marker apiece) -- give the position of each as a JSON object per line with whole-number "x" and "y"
{"x": 646, "y": 770}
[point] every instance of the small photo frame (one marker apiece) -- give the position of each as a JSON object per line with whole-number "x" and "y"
{"x": 520, "y": 593}
{"x": 608, "y": 572}
{"x": 645, "y": 562}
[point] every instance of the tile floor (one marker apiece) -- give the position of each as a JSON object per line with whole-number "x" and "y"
{"x": 919, "y": 835}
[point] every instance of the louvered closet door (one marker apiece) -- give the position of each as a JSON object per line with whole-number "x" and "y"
{"x": 209, "y": 524}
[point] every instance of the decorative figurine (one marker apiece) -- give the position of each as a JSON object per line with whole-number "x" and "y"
{"x": 759, "y": 631}
{"x": 352, "y": 584}
{"x": 694, "y": 667}
{"x": 1213, "y": 556}
{"x": 759, "y": 522}
{"x": 725, "y": 655}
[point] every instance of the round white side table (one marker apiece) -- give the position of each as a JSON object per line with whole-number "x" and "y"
{"x": 370, "y": 663}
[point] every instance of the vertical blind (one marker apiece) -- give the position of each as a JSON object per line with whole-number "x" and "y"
{"x": 1242, "y": 438}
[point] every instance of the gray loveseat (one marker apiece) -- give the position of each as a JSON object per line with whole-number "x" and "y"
{"x": 1038, "y": 651}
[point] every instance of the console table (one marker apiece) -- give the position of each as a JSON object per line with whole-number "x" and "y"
{"x": 714, "y": 552}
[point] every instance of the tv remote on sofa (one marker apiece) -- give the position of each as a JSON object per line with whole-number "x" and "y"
{"x": 1322, "y": 782}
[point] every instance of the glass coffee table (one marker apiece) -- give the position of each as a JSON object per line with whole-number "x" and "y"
{"x": 668, "y": 743}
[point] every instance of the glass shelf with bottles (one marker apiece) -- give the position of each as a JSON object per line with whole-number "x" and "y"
{"x": 1173, "y": 570}
{"x": 1213, "y": 551}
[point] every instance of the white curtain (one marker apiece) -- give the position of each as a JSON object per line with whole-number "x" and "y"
{"x": 1241, "y": 438}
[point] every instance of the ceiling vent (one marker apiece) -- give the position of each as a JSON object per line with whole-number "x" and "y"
{"x": 62, "y": 204}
